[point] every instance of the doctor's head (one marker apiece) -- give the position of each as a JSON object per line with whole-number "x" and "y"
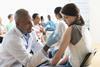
{"x": 23, "y": 21}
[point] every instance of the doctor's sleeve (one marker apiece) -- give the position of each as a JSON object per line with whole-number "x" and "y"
{"x": 16, "y": 49}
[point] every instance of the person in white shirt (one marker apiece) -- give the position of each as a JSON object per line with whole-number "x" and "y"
{"x": 61, "y": 25}
{"x": 38, "y": 28}
{"x": 13, "y": 51}
{"x": 60, "y": 28}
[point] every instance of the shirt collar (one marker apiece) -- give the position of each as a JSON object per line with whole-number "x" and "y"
{"x": 19, "y": 33}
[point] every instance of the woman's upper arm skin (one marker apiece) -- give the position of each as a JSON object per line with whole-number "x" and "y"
{"x": 63, "y": 46}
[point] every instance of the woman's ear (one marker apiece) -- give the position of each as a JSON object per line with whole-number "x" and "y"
{"x": 78, "y": 17}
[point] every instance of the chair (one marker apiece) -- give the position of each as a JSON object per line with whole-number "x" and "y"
{"x": 87, "y": 60}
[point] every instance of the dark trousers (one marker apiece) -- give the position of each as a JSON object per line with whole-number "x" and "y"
{"x": 1, "y": 38}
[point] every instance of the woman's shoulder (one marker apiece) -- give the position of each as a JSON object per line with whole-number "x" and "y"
{"x": 75, "y": 33}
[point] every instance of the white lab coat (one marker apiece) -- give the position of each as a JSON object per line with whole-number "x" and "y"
{"x": 14, "y": 54}
{"x": 34, "y": 43}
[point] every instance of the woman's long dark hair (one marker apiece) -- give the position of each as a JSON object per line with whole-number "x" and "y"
{"x": 72, "y": 10}
{"x": 79, "y": 21}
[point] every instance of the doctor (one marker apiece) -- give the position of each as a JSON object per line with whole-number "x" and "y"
{"x": 13, "y": 52}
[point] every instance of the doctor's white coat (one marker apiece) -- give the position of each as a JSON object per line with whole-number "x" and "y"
{"x": 13, "y": 52}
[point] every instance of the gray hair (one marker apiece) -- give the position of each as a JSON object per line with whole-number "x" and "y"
{"x": 21, "y": 14}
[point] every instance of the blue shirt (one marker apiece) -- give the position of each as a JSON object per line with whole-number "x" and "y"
{"x": 50, "y": 26}
{"x": 26, "y": 36}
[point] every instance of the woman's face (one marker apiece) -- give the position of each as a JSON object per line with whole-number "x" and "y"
{"x": 69, "y": 19}
{"x": 37, "y": 19}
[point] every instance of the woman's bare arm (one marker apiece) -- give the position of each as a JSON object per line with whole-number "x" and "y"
{"x": 63, "y": 46}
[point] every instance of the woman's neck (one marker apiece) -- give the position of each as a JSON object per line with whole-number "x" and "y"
{"x": 35, "y": 23}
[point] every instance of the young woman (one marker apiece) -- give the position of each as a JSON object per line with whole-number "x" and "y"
{"x": 74, "y": 37}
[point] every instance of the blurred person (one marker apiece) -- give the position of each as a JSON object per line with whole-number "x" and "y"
{"x": 2, "y": 30}
{"x": 43, "y": 24}
{"x": 10, "y": 24}
{"x": 38, "y": 28}
{"x": 50, "y": 25}
{"x": 13, "y": 51}
{"x": 42, "y": 19}
{"x": 60, "y": 28}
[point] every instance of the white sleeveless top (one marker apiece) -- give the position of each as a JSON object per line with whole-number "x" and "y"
{"x": 78, "y": 47}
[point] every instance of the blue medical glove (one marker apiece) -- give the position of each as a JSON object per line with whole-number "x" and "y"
{"x": 53, "y": 38}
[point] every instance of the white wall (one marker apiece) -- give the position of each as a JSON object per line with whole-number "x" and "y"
{"x": 95, "y": 20}
{"x": 43, "y": 7}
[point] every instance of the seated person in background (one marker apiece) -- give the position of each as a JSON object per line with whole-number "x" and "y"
{"x": 60, "y": 28}
{"x": 10, "y": 24}
{"x": 43, "y": 24}
{"x": 42, "y": 21}
{"x": 13, "y": 52}
{"x": 39, "y": 30}
{"x": 74, "y": 37}
{"x": 50, "y": 25}
{"x": 2, "y": 30}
